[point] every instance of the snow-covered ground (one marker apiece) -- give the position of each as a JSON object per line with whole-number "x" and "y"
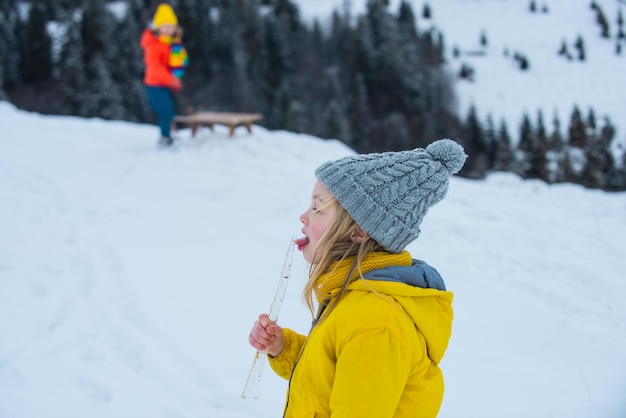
{"x": 130, "y": 276}
{"x": 552, "y": 84}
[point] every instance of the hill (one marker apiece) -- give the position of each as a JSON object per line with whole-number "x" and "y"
{"x": 130, "y": 276}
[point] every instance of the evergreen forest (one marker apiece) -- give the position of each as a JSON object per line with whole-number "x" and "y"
{"x": 375, "y": 81}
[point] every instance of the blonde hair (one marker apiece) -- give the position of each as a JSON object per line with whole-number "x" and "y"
{"x": 337, "y": 245}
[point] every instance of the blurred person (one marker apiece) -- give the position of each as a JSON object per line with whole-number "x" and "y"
{"x": 165, "y": 61}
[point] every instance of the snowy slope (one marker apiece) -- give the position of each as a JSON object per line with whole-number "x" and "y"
{"x": 552, "y": 84}
{"x": 130, "y": 277}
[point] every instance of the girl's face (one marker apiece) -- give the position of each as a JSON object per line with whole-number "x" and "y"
{"x": 315, "y": 220}
{"x": 167, "y": 29}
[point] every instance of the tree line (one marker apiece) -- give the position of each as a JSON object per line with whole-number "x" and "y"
{"x": 373, "y": 80}
{"x": 582, "y": 151}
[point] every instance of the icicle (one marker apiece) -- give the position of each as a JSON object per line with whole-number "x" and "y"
{"x": 252, "y": 388}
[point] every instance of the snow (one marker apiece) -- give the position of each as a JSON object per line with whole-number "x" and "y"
{"x": 552, "y": 84}
{"x": 130, "y": 276}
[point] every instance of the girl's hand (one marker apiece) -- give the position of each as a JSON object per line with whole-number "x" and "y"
{"x": 266, "y": 336}
{"x": 176, "y": 84}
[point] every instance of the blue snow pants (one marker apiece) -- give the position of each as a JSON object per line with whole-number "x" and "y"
{"x": 162, "y": 102}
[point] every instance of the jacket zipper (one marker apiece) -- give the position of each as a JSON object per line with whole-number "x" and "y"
{"x": 320, "y": 311}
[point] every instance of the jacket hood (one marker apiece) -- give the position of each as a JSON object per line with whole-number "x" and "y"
{"x": 420, "y": 290}
{"x": 418, "y": 274}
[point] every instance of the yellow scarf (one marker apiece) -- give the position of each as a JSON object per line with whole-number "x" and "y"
{"x": 331, "y": 281}
{"x": 168, "y": 40}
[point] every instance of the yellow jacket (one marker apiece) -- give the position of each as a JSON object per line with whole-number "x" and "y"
{"x": 377, "y": 353}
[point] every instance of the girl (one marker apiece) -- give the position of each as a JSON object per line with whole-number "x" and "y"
{"x": 383, "y": 320}
{"x": 165, "y": 59}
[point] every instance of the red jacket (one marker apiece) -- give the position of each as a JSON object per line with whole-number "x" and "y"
{"x": 156, "y": 56}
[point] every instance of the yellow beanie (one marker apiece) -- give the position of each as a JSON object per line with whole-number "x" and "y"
{"x": 164, "y": 15}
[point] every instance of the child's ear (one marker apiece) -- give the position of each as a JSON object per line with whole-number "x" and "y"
{"x": 358, "y": 235}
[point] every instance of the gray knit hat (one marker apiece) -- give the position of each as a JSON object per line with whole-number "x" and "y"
{"x": 388, "y": 194}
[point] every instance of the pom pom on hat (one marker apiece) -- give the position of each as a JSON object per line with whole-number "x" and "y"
{"x": 388, "y": 194}
{"x": 164, "y": 15}
{"x": 448, "y": 153}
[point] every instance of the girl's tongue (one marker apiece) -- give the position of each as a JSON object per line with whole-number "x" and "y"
{"x": 301, "y": 242}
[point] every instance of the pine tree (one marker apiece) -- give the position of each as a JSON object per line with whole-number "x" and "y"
{"x": 323, "y": 62}
{"x": 201, "y": 57}
{"x": 208, "y": 38}
{"x": 50, "y": 8}
{"x": 440, "y": 47}
{"x": 64, "y": 9}
{"x": 397, "y": 134}
{"x": 431, "y": 47}
{"x": 603, "y": 22}
{"x": 577, "y": 130}
{"x": 37, "y": 46}
{"x": 577, "y": 140}
{"x": 491, "y": 141}
{"x": 219, "y": 64}
{"x": 284, "y": 34}
{"x": 426, "y": 12}
{"x": 598, "y": 165}
{"x": 10, "y": 56}
{"x": 3, "y": 95}
{"x": 296, "y": 119}
{"x": 474, "y": 144}
{"x": 483, "y": 39}
{"x": 524, "y": 159}
{"x": 504, "y": 149}
{"x": 102, "y": 94}
{"x": 193, "y": 18}
{"x": 621, "y": 34}
{"x": 419, "y": 101}
{"x": 258, "y": 67}
{"x": 341, "y": 40}
{"x": 522, "y": 61}
{"x": 384, "y": 78}
{"x": 365, "y": 57}
{"x": 103, "y": 97}
{"x": 73, "y": 78}
{"x": 539, "y": 159}
{"x": 360, "y": 115}
{"x": 591, "y": 120}
{"x": 129, "y": 70}
{"x": 335, "y": 122}
{"x": 288, "y": 34}
{"x": 284, "y": 107}
{"x": 580, "y": 46}
{"x": 406, "y": 22}
{"x": 555, "y": 153}
{"x": 564, "y": 51}
{"x": 617, "y": 176}
{"x": 466, "y": 72}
